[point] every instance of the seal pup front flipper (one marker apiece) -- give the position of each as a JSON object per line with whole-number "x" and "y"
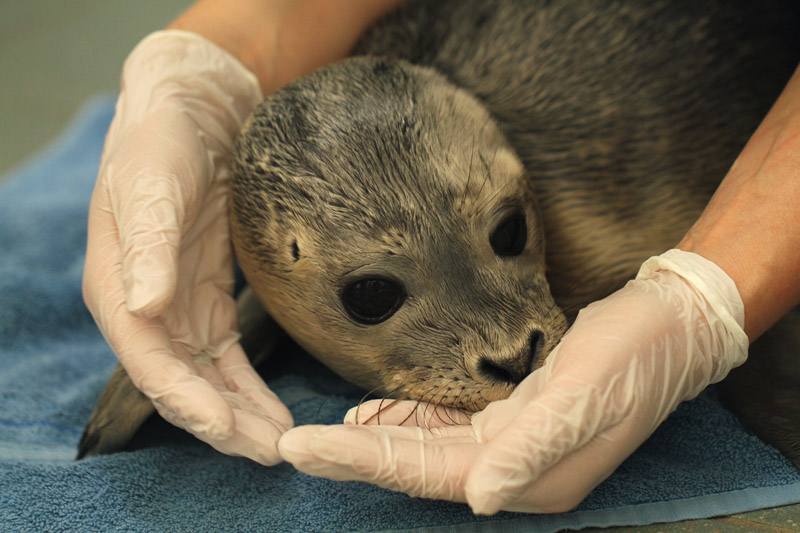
{"x": 117, "y": 416}
{"x": 122, "y": 408}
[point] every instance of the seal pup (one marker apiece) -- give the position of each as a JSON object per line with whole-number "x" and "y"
{"x": 428, "y": 216}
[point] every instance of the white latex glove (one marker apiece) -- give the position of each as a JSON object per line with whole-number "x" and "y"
{"x": 623, "y": 367}
{"x": 159, "y": 266}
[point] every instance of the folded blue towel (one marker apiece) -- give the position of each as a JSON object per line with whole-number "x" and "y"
{"x": 54, "y": 362}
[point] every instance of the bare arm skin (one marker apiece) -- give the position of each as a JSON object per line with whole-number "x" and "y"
{"x": 280, "y": 40}
{"x": 751, "y": 226}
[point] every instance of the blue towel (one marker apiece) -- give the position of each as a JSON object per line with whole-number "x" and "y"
{"x": 54, "y": 363}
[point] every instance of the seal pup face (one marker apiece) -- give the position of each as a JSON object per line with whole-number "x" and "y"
{"x": 386, "y": 224}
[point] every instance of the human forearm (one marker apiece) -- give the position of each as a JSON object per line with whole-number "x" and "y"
{"x": 280, "y": 40}
{"x": 751, "y": 227}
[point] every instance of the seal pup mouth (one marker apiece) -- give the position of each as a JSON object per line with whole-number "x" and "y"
{"x": 441, "y": 390}
{"x": 474, "y": 382}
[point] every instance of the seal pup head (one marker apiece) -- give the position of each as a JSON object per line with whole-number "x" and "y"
{"x": 385, "y": 223}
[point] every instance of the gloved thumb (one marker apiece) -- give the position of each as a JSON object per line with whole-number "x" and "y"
{"x": 150, "y": 259}
{"x": 155, "y": 176}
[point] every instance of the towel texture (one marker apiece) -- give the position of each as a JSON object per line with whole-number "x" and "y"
{"x": 54, "y": 363}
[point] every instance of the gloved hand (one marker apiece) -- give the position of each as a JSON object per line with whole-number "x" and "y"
{"x": 159, "y": 267}
{"x": 626, "y": 363}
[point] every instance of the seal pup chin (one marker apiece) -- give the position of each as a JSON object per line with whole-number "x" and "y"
{"x": 391, "y": 230}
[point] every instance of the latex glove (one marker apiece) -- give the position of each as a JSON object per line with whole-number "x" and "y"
{"x": 626, "y": 363}
{"x": 159, "y": 266}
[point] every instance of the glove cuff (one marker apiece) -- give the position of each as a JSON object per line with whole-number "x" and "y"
{"x": 715, "y": 286}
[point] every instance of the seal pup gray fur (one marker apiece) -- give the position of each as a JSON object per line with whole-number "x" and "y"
{"x": 379, "y": 203}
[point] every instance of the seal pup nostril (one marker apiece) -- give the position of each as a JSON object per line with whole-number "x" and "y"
{"x": 536, "y": 343}
{"x": 513, "y": 371}
{"x": 507, "y": 371}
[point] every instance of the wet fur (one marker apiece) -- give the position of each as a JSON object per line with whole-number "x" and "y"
{"x": 624, "y": 116}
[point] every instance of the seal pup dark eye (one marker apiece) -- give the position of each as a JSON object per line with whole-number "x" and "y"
{"x": 509, "y": 237}
{"x": 372, "y": 300}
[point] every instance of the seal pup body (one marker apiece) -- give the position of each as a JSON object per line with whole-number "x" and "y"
{"x": 379, "y": 203}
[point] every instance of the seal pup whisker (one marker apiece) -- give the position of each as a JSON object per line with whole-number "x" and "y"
{"x": 433, "y": 403}
{"x": 381, "y": 408}
{"x": 385, "y": 397}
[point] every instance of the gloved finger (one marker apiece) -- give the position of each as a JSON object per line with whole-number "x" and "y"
{"x": 298, "y": 442}
{"x": 563, "y": 418}
{"x": 143, "y": 346}
{"x": 500, "y": 414}
{"x": 203, "y": 365}
{"x": 295, "y": 448}
{"x": 240, "y": 377}
{"x": 153, "y": 178}
{"x": 158, "y": 373}
{"x": 254, "y": 436}
{"x": 425, "y": 463}
{"x": 566, "y": 484}
{"x": 256, "y": 431}
{"x": 406, "y": 413}
{"x": 202, "y": 316}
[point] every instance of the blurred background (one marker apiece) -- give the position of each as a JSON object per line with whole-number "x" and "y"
{"x": 56, "y": 54}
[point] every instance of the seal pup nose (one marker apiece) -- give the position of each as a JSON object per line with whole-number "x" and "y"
{"x": 513, "y": 371}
